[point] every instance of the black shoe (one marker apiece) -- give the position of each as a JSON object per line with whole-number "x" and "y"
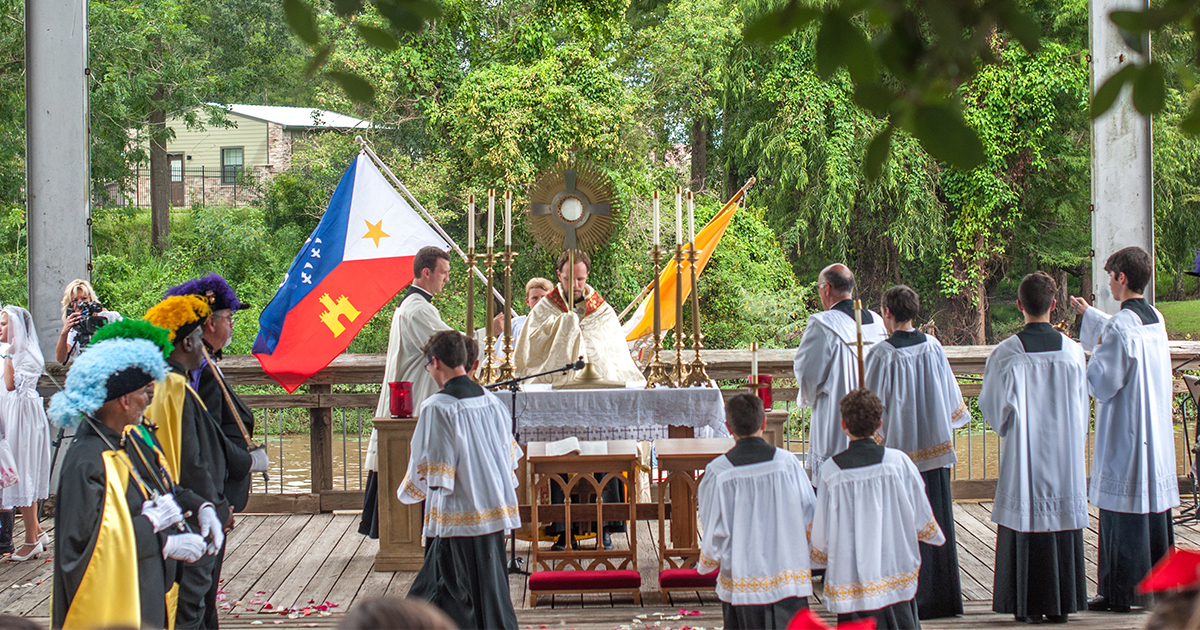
{"x": 1101, "y": 603}
{"x": 1056, "y": 618}
{"x": 607, "y": 540}
{"x": 560, "y": 544}
{"x": 1030, "y": 619}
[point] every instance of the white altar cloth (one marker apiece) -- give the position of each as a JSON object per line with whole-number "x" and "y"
{"x": 616, "y": 414}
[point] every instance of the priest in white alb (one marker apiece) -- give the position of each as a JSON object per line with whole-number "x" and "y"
{"x": 464, "y": 467}
{"x": 752, "y": 498}
{"x": 1035, "y": 397}
{"x": 1133, "y": 478}
{"x": 556, "y": 333}
{"x": 922, "y": 405}
{"x": 413, "y": 323}
{"x": 826, "y": 364}
{"x": 871, "y": 516}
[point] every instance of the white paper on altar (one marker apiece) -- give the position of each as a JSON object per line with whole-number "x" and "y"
{"x": 615, "y": 414}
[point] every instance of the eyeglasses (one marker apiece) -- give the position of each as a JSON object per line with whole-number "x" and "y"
{"x": 429, "y": 362}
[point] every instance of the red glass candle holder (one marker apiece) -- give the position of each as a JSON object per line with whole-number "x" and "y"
{"x": 762, "y": 388}
{"x": 402, "y": 399}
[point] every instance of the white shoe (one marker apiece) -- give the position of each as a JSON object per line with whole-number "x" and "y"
{"x": 37, "y": 550}
{"x": 44, "y": 539}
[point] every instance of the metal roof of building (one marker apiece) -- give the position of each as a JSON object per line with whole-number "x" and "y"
{"x": 299, "y": 116}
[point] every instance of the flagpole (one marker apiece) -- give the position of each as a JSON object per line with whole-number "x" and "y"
{"x": 366, "y": 147}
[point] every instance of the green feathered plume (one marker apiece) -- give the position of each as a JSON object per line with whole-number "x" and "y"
{"x": 136, "y": 329}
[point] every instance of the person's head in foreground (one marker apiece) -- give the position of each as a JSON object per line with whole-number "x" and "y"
{"x": 1035, "y": 296}
{"x": 900, "y": 306}
{"x": 744, "y": 416}
{"x": 862, "y": 413}
{"x": 112, "y": 382}
{"x": 1129, "y": 271}
{"x": 445, "y": 356}
{"x": 583, "y": 267}
{"x": 394, "y": 612}
{"x": 535, "y": 290}
{"x": 183, "y": 316}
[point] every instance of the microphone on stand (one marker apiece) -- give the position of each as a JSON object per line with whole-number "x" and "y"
{"x": 577, "y": 365}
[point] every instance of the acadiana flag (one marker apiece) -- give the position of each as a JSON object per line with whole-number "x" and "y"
{"x": 358, "y": 258}
{"x": 641, "y": 323}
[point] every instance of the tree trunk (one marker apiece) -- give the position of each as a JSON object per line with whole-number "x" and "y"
{"x": 160, "y": 173}
{"x": 968, "y": 309}
{"x": 699, "y": 152}
{"x": 1177, "y": 290}
{"x": 1062, "y": 310}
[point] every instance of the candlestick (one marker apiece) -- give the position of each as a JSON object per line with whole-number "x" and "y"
{"x": 678, "y": 215}
{"x": 470, "y": 221}
{"x": 754, "y": 361}
{"x": 491, "y": 224}
{"x": 656, "y": 370}
{"x": 505, "y": 371}
{"x": 679, "y": 372}
{"x": 470, "y": 266}
{"x": 697, "y": 374}
{"x": 507, "y": 218}
{"x": 654, "y": 203}
{"x": 691, "y": 219}
{"x": 489, "y": 372}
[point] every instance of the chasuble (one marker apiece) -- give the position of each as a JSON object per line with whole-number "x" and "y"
{"x": 554, "y": 335}
{"x": 826, "y": 368}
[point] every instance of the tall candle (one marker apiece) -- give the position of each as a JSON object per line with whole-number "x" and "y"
{"x": 754, "y": 361}
{"x": 470, "y": 221}
{"x": 655, "y": 228}
{"x": 678, "y": 215}
{"x": 491, "y": 210}
{"x": 691, "y": 220}
{"x": 507, "y": 218}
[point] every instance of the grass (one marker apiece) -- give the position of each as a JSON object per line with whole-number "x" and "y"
{"x": 1183, "y": 318}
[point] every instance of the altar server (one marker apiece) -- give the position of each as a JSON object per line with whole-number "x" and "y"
{"x": 1035, "y": 397}
{"x": 463, "y": 466}
{"x": 753, "y": 494}
{"x": 116, "y": 547}
{"x": 194, "y": 447}
{"x": 1133, "y": 479}
{"x": 922, "y": 405}
{"x": 826, "y": 365}
{"x": 413, "y": 323}
{"x": 871, "y": 514}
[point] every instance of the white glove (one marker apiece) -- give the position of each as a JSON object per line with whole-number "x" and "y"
{"x": 162, "y": 512}
{"x": 186, "y": 547}
{"x": 259, "y": 461}
{"x": 211, "y": 525}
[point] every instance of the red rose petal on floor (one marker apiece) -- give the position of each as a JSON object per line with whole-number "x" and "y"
{"x": 267, "y": 606}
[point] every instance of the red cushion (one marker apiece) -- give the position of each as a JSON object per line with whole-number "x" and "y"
{"x": 580, "y": 580}
{"x": 686, "y": 578}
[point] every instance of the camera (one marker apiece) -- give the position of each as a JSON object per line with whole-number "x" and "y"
{"x": 90, "y": 323}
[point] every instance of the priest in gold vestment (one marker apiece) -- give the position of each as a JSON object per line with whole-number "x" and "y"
{"x": 555, "y": 335}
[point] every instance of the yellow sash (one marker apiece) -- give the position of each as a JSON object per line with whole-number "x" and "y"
{"x": 166, "y": 412}
{"x": 108, "y": 594}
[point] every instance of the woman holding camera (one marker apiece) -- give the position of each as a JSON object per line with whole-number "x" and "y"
{"x": 79, "y": 300}
{"x": 25, "y": 427}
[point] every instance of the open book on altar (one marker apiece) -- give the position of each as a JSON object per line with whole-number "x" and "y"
{"x": 573, "y": 446}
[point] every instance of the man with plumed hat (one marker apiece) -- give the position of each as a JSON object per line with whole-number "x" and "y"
{"x": 116, "y": 548}
{"x": 196, "y": 452}
{"x": 223, "y": 405}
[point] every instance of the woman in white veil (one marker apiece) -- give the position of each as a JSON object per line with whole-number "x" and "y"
{"x": 23, "y": 419}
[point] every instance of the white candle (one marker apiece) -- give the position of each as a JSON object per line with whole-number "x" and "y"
{"x": 691, "y": 220}
{"x": 471, "y": 222}
{"x": 655, "y": 228}
{"x": 491, "y": 209}
{"x": 507, "y": 218}
{"x": 678, "y": 215}
{"x": 754, "y": 361}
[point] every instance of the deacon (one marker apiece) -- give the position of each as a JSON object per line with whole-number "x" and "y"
{"x": 826, "y": 363}
{"x": 556, "y": 334}
{"x": 535, "y": 290}
{"x": 116, "y": 547}
{"x": 234, "y": 416}
{"x": 756, "y": 493}
{"x": 922, "y": 405}
{"x": 195, "y": 449}
{"x": 463, "y": 466}
{"x": 871, "y": 514}
{"x": 415, "y": 321}
{"x": 1133, "y": 478}
{"x": 1035, "y": 397}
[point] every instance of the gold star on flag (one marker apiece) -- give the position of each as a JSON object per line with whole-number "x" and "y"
{"x": 375, "y": 231}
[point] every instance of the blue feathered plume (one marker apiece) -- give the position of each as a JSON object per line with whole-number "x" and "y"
{"x": 1195, "y": 270}
{"x": 87, "y": 382}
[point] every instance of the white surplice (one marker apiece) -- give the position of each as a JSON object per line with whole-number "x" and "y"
{"x": 554, "y": 336}
{"x": 1037, "y": 403}
{"x": 826, "y": 369}
{"x": 413, "y": 323}
{"x": 866, "y": 530}
{"x": 1129, "y": 375}
{"x": 921, "y": 401}
{"x": 498, "y": 344}
{"x": 745, "y": 509}
{"x": 464, "y": 467}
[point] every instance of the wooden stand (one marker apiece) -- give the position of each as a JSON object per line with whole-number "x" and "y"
{"x": 399, "y": 524}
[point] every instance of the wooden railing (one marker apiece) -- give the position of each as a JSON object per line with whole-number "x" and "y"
{"x": 323, "y": 405}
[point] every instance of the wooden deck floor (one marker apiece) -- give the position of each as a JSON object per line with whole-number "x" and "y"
{"x": 292, "y": 562}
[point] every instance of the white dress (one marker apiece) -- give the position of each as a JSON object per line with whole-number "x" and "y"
{"x": 23, "y": 416}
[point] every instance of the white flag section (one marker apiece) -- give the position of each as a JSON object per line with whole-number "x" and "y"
{"x": 382, "y": 224}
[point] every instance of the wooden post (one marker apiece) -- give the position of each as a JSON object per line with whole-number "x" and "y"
{"x": 321, "y": 441}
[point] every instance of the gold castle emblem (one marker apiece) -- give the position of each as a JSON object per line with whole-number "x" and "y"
{"x": 336, "y": 309}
